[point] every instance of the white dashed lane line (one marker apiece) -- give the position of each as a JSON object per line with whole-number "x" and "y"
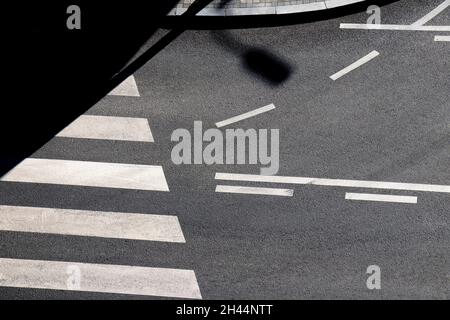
{"x": 355, "y": 65}
{"x": 245, "y": 116}
{"x": 380, "y": 198}
{"x": 255, "y": 191}
{"x": 442, "y": 38}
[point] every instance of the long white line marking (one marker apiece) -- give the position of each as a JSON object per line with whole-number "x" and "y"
{"x": 355, "y": 65}
{"x": 109, "y": 128}
{"x": 255, "y": 190}
{"x": 334, "y": 182}
{"x": 432, "y": 14}
{"x": 118, "y": 225}
{"x": 396, "y": 27}
{"x": 442, "y": 38}
{"x": 245, "y": 116}
{"x": 118, "y": 279}
{"x": 127, "y": 88}
{"x": 92, "y": 174}
{"x": 380, "y": 198}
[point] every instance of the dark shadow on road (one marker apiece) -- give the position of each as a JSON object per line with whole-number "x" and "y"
{"x": 55, "y": 74}
{"x": 267, "y": 65}
{"x": 259, "y": 62}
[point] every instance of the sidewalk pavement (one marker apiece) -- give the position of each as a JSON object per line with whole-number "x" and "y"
{"x": 261, "y": 7}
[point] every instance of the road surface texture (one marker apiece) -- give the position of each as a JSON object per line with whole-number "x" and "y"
{"x": 101, "y": 211}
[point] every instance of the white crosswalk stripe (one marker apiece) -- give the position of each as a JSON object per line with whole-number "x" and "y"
{"x": 89, "y": 174}
{"x": 118, "y": 225}
{"x": 102, "y": 278}
{"x": 109, "y": 128}
{"x": 127, "y": 88}
{"x": 87, "y": 277}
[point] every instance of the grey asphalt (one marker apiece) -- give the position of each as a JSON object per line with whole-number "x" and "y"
{"x": 386, "y": 121}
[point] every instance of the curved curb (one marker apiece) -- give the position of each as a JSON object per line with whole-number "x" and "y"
{"x": 269, "y": 10}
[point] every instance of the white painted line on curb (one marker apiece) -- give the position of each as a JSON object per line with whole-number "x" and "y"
{"x": 109, "y": 128}
{"x": 127, "y": 88}
{"x": 104, "y": 278}
{"x": 333, "y": 182}
{"x": 245, "y": 115}
{"x": 148, "y": 227}
{"x": 395, "y": 27}
{"x": 339, "y": 3}
{"x": 380, "y": 198}
{"x": 432, "y": 14}
{"x": 355, "y": 65}
{"x": 255, "y": 190}
{"x": 89, "y": 174}
{"x": 304, "y": 7}
{"x": 442, "y": 38}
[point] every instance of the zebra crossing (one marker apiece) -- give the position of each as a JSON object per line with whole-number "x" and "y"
{"x": 149, "y": 226}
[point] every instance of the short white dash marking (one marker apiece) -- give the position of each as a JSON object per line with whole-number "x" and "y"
{"x": 355, "y": 65}
{"x": 245, "y": 115}
{"x": 89, "y": 174}
{"x": 432, "y": 14}
{"x": 442, "y": 38}
{"x": 104, "y": 278}
{"x": 255, "y": 190}
{"x": 334, "y": 182}
{"x": 148, "y": 227}
{"x": 380, "y": 198}
{"x": 127, "y": 88}
{"x": 394, "y": 27}
{"x": 109, "y": 128}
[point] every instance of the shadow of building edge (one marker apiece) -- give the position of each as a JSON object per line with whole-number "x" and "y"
{"x": 47, "y": 87}
{"x": 56, "y": 74}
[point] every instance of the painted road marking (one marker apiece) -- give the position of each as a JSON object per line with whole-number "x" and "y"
{"x": 255, "y": 190}
{"x": 396, "y": 27}
{"x": 109, "y": 128}
{"x": 127, "y": 88}
{"x": 245, "y": 116}
{"x": 118, "y": 225}
{"x": 380, "y": 198}
{"x": 56, "y": 275}
{"x": 355, "y": 65}
{"x": 432, "y": 14}
{"x": 334, "y": 182}
{"x": 338, "y": 3}
{"x": 89, "y": 174}
{"x": 442, "y": 38}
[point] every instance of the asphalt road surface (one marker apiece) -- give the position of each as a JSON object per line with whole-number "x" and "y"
{"x": 388, "y": 120}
